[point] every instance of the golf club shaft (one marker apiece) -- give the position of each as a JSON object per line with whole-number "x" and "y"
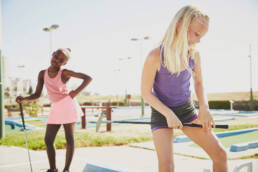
{"x": 27, "y": 146}
{"x": 184, "y": 124}
{"x": 26, "y": 136}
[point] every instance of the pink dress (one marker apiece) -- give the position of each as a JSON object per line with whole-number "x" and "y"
{"x": 64, "y": 109}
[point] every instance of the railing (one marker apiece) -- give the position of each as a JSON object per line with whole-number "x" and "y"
{"x": 107, "y": 109}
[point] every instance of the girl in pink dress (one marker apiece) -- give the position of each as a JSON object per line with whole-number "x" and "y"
{"x": 64, "y": 109}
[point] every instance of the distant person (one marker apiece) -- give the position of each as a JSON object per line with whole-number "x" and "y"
{"x": 65, "y": 109}
{"x": 165, "y": 86}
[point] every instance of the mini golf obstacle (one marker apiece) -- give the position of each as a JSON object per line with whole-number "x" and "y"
{"x": 14, "y": 124}
{"x": 181, "y": 139}
{"x": 98, "y": 167}
{"x": 238, "y": 168}
{"x": 248, "y": 165}
{"x": 243, "y": 146}
{"x": 25, "y": 134}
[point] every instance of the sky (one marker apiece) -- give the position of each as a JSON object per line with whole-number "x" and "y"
{"x": 99, "y": 33}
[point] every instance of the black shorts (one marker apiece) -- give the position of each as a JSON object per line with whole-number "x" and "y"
{"x": 185, "y": 113}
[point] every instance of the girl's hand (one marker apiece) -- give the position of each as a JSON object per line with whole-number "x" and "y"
{"x": 67, "y": 74}
{"x": 73, "y": 94}
{"x": 206, "y": 119}
{"x": 19, "y": 99}
{"x": 174, "y": 122}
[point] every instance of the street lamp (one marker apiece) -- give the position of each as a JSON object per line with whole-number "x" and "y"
{"x": 251, "y": 82}
{"x": 137, "y": 39}
{"x": 126, "y": 96}
{"x": 50, "y": 29}
{"x": 141, "y": 40}
{"x": 21, "y": 66}
{"x": 127, "y": 58}
{"x": 21, "y": 70}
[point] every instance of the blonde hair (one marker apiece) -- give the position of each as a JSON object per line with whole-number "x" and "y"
{"x": 175, "y": 42}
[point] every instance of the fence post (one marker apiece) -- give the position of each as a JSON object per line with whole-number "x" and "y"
{"x": 108, "y": 116}
{"x": 83, "y": 118}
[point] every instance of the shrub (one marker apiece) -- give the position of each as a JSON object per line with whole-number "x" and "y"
{"x": 221, "y": 104}
{"x": 32, "y": 108}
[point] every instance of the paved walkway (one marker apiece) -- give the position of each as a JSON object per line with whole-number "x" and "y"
{"x": 188, "y": 149}
{"x": 126, "y": 158}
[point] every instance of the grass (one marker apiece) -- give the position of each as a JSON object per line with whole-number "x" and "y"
{"x": 247, "y": 137}
{"x": 241, "y": 138}
{"x": 238, "y": 124}
{"x": 83, "y": 138}
{"x": 236, "y": 127}
{"x": 248, "y": 157}
{"x": 120, "y": 135}
{"x": 8, "y": 129}
{"x": 37, "y": 123}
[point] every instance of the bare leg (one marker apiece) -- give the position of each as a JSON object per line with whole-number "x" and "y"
{"x": 50, "y": 136}
{"x": 69, "y": 136}
{"x": 210, "y": 144}
{"x": 164, "y": 147}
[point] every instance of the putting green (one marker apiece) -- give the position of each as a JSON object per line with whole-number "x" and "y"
{"x": 241, "y": 138}
{"x": 8, "y": 129}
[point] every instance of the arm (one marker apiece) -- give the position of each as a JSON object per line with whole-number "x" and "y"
{"x": 86, "y": 80}
{"x": 150, "y": 68}
{"x": 204, "y": 114}
{"x": 38, "y": 91}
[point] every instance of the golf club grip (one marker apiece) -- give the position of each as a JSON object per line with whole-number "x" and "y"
{"x": 22, "y": 116}
{"x": 225, "y": 126}
{"x": 199, "y": 125}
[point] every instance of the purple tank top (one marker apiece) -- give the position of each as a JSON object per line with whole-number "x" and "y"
{"x": 172, "y": 89}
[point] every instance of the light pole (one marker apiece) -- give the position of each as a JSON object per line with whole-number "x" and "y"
{"x": 141, "y": 40}
{"x": 2, "y": 123}
{"x": 126, "y": 96}
{"x": 117, "y": 78}
{"x": 50, "y": 29}
{"x": 21, "y": 70}
{"x": 127, "y": 58}
{"x": 251, "y": 81}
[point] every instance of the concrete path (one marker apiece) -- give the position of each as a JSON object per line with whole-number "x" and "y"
{"x": 126, "y": 158}
{"x": 188, "y": 149}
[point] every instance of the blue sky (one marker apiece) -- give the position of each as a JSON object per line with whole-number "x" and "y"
{"x": 99, "y": 33}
